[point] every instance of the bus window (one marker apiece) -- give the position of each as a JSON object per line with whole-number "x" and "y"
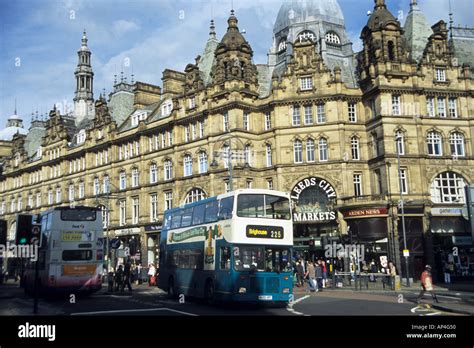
{"x": 226, "y": 207}
{"x": 176, "y": 221}
{"x": 211, "y": 211}
{"x": 250, "y": 206}
{"x": 183, "y": 259}
{"x": 277, "y": 207}
{"x": 49, "y": 222}
{"x": 195, "y": 259}
{"x": 225, "y": 259}
{"x": 77, "y": 255}
{"x": 187, "y": 218}
{"x": 167, "y": 222}
{"x": 78, "y": 215}
{"x": 198, "y": 215}
{"x": 44, "y": 223}
{"x": 247, "y": 258}
{"x": 277, "y": 260}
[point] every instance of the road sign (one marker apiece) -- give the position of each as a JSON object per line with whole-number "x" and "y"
{"x": 115, "y": 243}
{"x": 406, "y": 252}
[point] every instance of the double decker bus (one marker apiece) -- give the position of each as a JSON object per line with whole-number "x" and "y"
{"x": 71, "y": 257}
{"x": 233, "y": 247}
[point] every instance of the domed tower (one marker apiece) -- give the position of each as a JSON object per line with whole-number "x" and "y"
{"x": 233, "y": 58}
{"x": 383, "y": 43}
{"x": 320, "y": 21}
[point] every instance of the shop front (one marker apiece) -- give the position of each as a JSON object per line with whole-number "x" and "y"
{"x": 368, "y": 226}
{"x": 452, "y": 242}
{"x": 313, "y": 216}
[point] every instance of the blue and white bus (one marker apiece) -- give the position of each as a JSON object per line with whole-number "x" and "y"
{"x": 233, "y": 247}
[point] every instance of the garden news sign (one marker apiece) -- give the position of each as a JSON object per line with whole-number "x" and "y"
{"x": 310, "y": 200}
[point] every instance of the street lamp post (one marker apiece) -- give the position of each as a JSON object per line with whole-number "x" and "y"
{"x": 399, "y": 139}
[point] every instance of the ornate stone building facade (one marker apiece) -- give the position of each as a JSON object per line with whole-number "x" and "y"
{"x": 318, "y": 121}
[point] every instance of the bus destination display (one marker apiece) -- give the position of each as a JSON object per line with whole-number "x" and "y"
{"x": 271, "y": 232}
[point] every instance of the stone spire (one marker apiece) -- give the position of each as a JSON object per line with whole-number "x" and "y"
{"x": 212, "y": 30}
{"x": 83, "y": 99}
{"x": 416, "y": 31}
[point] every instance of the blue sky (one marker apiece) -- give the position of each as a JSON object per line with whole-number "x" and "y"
{"x": 39, "y": 40}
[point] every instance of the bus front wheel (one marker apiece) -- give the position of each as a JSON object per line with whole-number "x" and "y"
{"x": 209, "y": 292}
{"x": 171, "y": 288}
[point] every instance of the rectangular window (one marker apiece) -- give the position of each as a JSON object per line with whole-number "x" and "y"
{"x": 352, "y": 110}
{"x": 430, "y": 106}
{"x": 135, "y": 210}
{"x": 440, "y": 75}
{"x": 321, "y": 113}
{"x": 249, "y": 183}
{"x": 201, "y": 129}
{"x": 225, "y": 119}
{"x": 38, "y": 200}
{"x": 81, "y": 190}
{"x": 170, "y": 138}
{"x": 122, "y": 212}
{"x": 270, "y": 184}
{"x": 296, "y": 116}
{"x": 373, "y": 108}
{"x": 268, "y": 121}
{"x": 404, "y": 181}
{"x": 122, "y": 181}
{"x": 246, "y": 122}
{"x": 192, "y": 102}
{"x": 298, "y": 152}
{"x": 396, "y": 110}
{"x": 308, "y": 114}
{"x": 71, "y": 193}
{"x": 153, "y": 207}
{"x": 378, "y": 181}
{"x": 357, "y": 179}
{"x": 168, "y": 200}
{"x": 58, "y": 195}
{"x": 135, "y": 178}
{"x": 269, "y": 156}
{"x": 193, "y": 131}
{"x": 442, "y": 107}
{"x": 453, "y": 111}
{"x": 187, "y": 133}
{"x": 306, "y": 83}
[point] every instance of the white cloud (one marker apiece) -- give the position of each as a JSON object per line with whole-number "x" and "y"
{"x": 122, "y": 26}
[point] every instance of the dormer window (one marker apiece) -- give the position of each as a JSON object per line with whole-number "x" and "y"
{"x": 81, "y": 136}
{"x": 138, "y": 116}
{"x": 282, "y": 45}
{"x": 332, "y": 38}
{"x": 441, "y": 74}
{"x": 306, "y": 83}
{"x": 166, "y": 108}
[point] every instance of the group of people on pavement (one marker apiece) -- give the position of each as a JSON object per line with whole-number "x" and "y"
{"x": 314, "y": 273}
{"x": 130, "y": 273}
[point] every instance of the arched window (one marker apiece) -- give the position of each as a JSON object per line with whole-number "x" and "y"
{"x": 298, "y": 151}
{"x": 456, "y": 141}
{"x": 400, "y": 142}
{"x": 323, "y": 149}
{"x": 168, "y": 170}
{"x": 310, "y": 157}
{"x": 188, "y": 165}
{"x": 153, "y": 173}
{"x": 203, "y": 166}
{"x": 332, "y": 38}
{"x": 195, "y": 195}
{"x": 122, "y": 180}
{"x": 282, "y": 45}
{"x": 435, "y": 144}
{"x": 355, "y": 148}
{"x": 448, "y": 187}
{"x": 391, "y": 50}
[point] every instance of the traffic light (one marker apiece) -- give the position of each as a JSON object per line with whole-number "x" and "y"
{"x": 3, "y": 232}
{"x": 24, "y": 223}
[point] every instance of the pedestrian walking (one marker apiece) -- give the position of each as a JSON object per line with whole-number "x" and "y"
{"x": 325, "y": 273}
{"x": 373, "y": 270}
{"x": 319, "y": 275}
{"x": 119, "y": 278}
{"x": 392, "y": 271}
{"x": 427, "y": 285}
{"x": 311, "y": 277}
{"x": 110, "y": 280}
{"x": 299, "y": 274}
{"x": 127, "y": 275}
{"x": 151, "y": 275}
{"x": 447, "y": 272}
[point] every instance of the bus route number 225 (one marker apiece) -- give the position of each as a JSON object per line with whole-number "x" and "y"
{"x": 272, "y": 232}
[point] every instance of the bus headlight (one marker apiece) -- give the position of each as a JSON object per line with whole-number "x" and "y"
{"x": 285, "y": 278}
{"x": 242, "y": 290}
{"x": 286, "y": 290}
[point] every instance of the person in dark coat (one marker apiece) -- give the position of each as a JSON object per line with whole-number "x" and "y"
{"x": 119, "y": 278}
{"x": 110, "y": 280}
{"x": 127, "y": 274}
{"x": 299, "y": 274}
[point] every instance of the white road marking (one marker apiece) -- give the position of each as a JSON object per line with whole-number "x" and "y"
{"x": 434, "y": 313}
{"x": 290, "y": 306}
{"x": 135, "y": 310}
{"x": 451, "y": 297}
